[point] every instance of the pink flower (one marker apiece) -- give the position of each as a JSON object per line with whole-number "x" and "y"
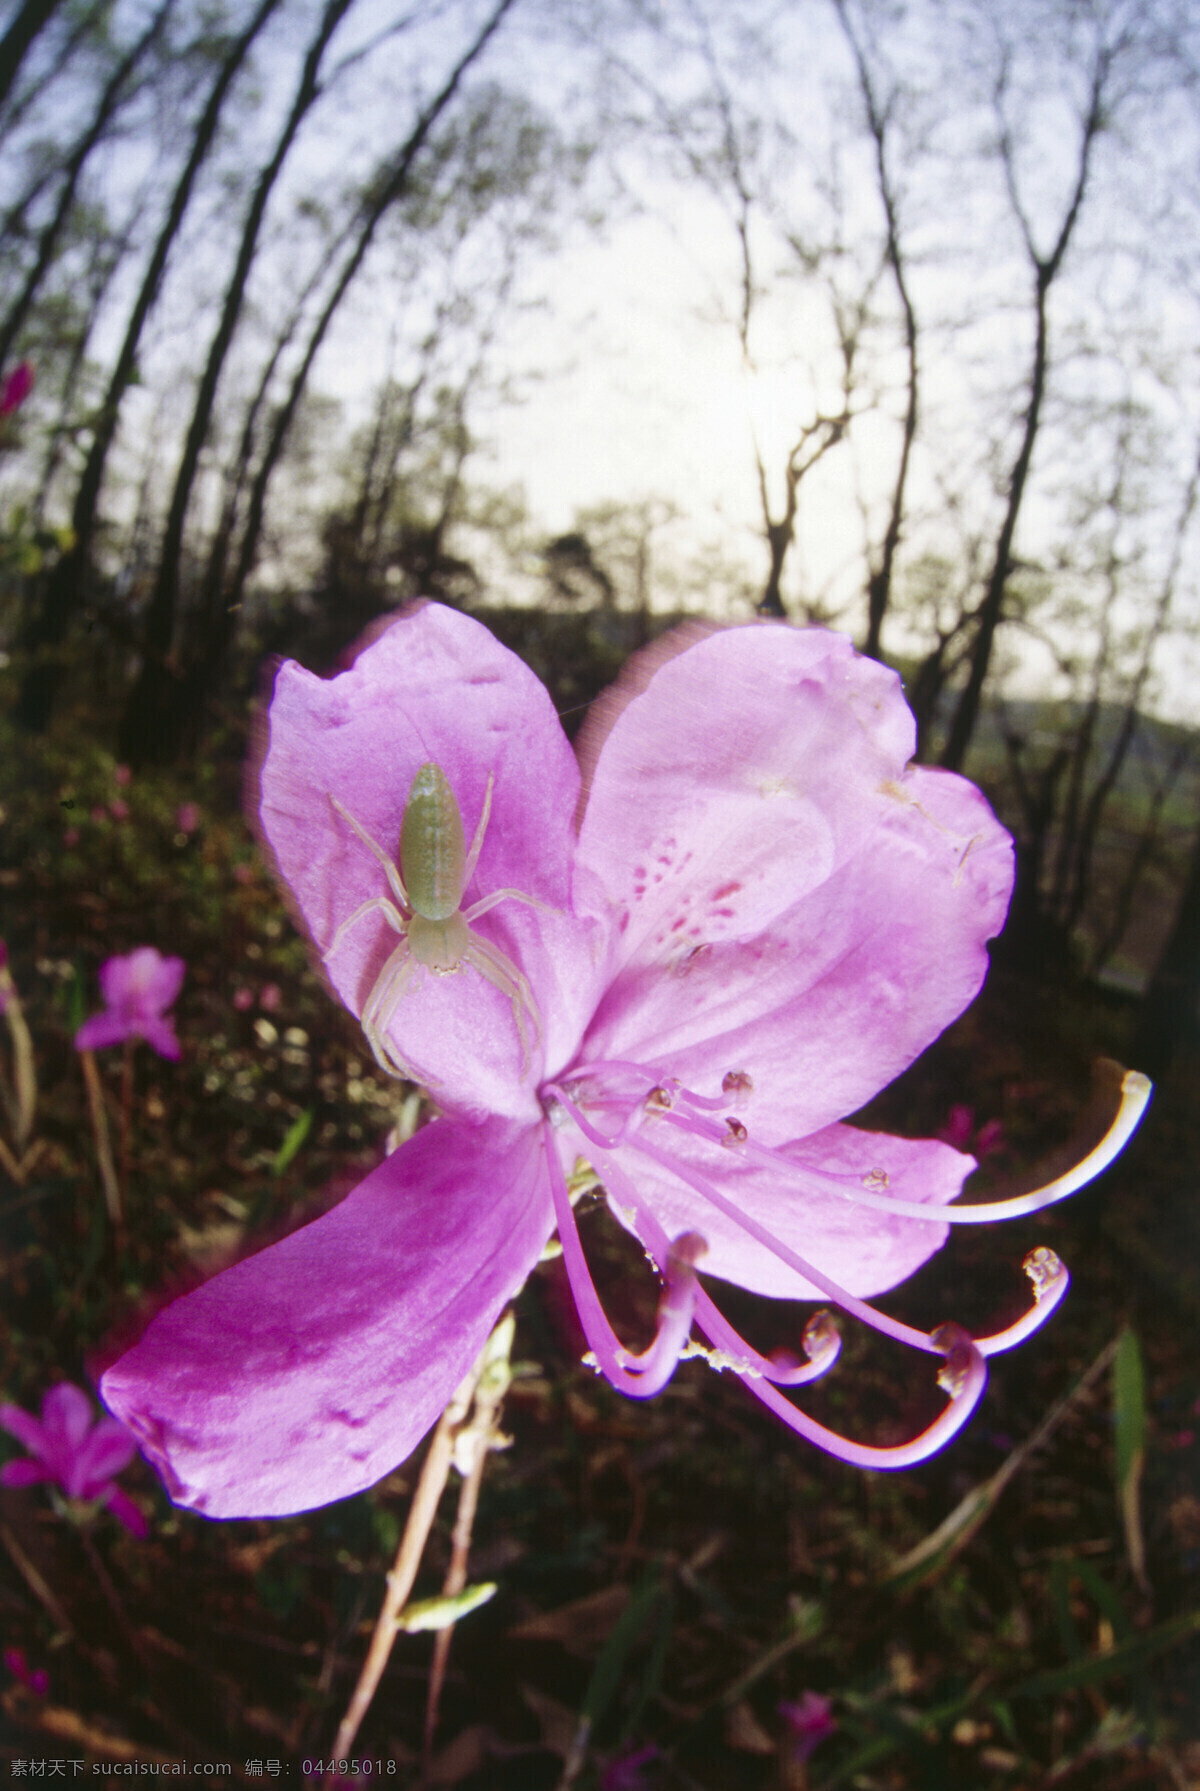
{"x": 36, "y": 1680}
{"x": 122, "y": 775}
{"x": 137, "y": 991}
{"x": 16, "y": 388}
{"x": 243, "y": 1000}
{"x": 751, "y": 913}
{"x": 66, "y": 1447}
{"x": 960, "y": 1131}
{"x": 810, "y": 1721}
{"x": 626, "y": 1771}
{"x": 270, "y": 996}
{"x": 118, "y": 809}
{"x": 187, "y": 817}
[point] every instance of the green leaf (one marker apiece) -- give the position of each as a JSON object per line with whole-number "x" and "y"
{"x": 297, "y": 1132}
{"x": 1129, "y": 1418}
{"x": 609, "y": 1669}
{"x": 1118, "y": 1662}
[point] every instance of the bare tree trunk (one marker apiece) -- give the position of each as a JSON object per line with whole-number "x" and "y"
{"x": 1046, "y": 269}
{"x": 1169, "y": 1011}
{"x": 161, "y": 724}
{"x": 20, "y": 34}
{"x": 69, "y": 578}
{"x": 146, "y": 699}
{"x": 879, "y": 583}
{"x": 110, "y": 99}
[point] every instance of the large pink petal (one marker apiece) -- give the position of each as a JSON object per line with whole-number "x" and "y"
{"x": 844, "y": 990}
{"x": 435, "y": 685}
{"x": 306, "y": 1373}
{"x": 737, "y": 781}
{"x": 867, "y": 1252}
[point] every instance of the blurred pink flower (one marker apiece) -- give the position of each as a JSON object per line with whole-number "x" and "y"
{"x": 71, "y": 836}
{"x": 118, "y": 809}
{"x": 269, "y": 998}
{"x": 959, "y": 1131}
{"x": 100, "y": 812}
{"x": 187, "y": 817}
{"x": 243, "y": 1000}
{"x": 122, "y": 775}
{"x": 137, "y": 991}
{"x": 36, "y": 1680}
{"x": 16, "y": 388}
{"x": 78, "y": 1455}
{"x": 746, "y": 913}
{"x": 626, "y": 1772}
{"x": 810, "y": 1721}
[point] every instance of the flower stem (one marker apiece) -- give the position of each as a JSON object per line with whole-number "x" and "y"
{"x": 473, "y": 1443}
{"x": 24, "y": 1070}
{"x": 126, "y": 1109}
{"x": 402, "y": 1577}
{"x": 104, "y": 1156}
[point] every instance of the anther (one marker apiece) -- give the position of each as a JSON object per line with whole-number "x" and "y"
{"x": 955, "y": 1344}
{"x": 876, "y": 1180}
{"x": 735, "y": 1134}
{"x": 821, "y": 1336}
{"x": 659, "y": 1100}
{"x": 1044, "y": 1269}
{"x": 736, "y": 1082}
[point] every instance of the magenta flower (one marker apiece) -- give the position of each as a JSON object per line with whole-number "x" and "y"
{"x": 81, "y": 1457}
{"x": 960, "y": 1130}
{"x": 16, "y": 388}
{"x": 187, "y": 817}
{"x": 811, "y": 1722}
{"x": 137, "y": 991}
{"x": 35, "y": 1679}
{"x": 688, "y": 962}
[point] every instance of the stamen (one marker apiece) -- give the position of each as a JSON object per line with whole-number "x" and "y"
{"x": 735, "y": 1133}
{"x": 644, "y": 1375}
{"x": 878, "y": 1321}
{"x": 1136, "y": 1090}
{"x": 737, "y": 1082}
{"x": 963, "y": 1376}
{"x": 1050, "y": 1282}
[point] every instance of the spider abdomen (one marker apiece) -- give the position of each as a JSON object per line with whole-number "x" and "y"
{"x": 432, "y": 848}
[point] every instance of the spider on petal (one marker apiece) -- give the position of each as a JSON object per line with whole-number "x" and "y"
{"x": 428, "y": 885}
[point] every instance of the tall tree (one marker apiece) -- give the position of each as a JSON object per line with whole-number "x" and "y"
{"x": 115, "y": 90}
{"x": 68, "y": 580}
{"x": 26, "y": 24}
{"x": 1045, "y": 267}
{"x": 151, "y": 726}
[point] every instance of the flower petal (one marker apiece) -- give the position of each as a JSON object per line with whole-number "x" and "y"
{"x": 734, "y": 783}
{"x": 309, "y": 1371}
{"x": 435, "y": 686}
{"x": 25, "y": 1427}
{"x": 844, "y": 990}
{"x": 866, "y": 1254}
{"x": 161, "y": 1035}
{"x": 105, "y": 1028}
{"x": 108, "y": 1450}
{"x": 23, "y": 1473}
{"x": 67, "y": 1415}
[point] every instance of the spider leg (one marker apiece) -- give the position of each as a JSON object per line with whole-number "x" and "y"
{"x": 504, "y": 895}
{"x": 390, "y": 870}
{"x": 380, "y": 1007}
{"x": 397, "y": 921}
{"x": 473, "y": 855}
{"x": 503, "y": 974}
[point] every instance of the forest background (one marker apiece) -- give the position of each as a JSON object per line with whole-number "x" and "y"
{"x": 588, "y": 317}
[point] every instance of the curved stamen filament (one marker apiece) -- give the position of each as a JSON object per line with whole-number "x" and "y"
{"x": 878, "y": 1321}
{"x": 1050, "y": 1283}
{"x": 964, "y": 1378}
{"x": 638, "y": 1376}
{"x": 1135, "y": 1093}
